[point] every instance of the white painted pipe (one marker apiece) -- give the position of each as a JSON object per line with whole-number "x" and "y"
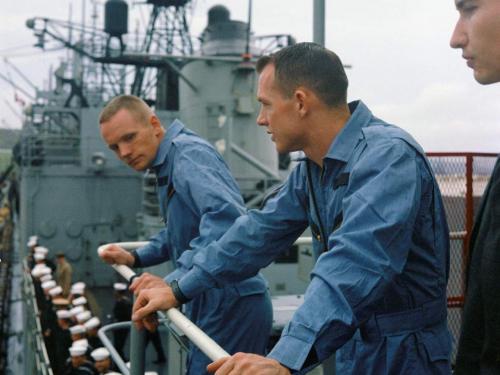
{"x": 208, "y": 346}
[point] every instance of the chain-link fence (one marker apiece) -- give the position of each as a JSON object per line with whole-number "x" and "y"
{"x": 462, "y": 178}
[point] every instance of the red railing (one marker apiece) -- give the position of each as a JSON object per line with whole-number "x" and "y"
{"x": 462, "y": 178}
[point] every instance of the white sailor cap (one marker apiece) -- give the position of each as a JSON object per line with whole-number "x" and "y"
{"x": 32, "y": 241}
{"x": 40, "y": 270}
{"x": 77, "y": 329}
{"x": 78, "y": 288}
{"x": 83, "y": 316}
{"x": 39, "y": 256}
{"x": 113, "y": 373}
{"x": 79, "y": 284}
{"x": 77, "y": 291}
{"x": 41, "y": 250}
{"x": 77, "y": 350}
{"x": 77, "y": 310}
{"x": 79, "y": 301}
{"x": 150, "y": 373}
{"x": 45, "y": 270}
{"x": 120, "y": 286}
{"x": 55, "y": 291}
{"x": 48, "y": 284}
{"x": 36, "y": 271}
{"x": 63, "y": 314}
{"x": 99, "y": 354}
{"x": 81, "y": 342}
{"x": 93, "y": 322}
{"x": 45, "y": 278}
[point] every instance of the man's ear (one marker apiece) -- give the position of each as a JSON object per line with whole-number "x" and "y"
{"x": 301, "y": 97}
{"x": 155, "y": 123}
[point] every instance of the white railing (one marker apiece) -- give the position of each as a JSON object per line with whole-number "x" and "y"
{"x": 208, "y": 346}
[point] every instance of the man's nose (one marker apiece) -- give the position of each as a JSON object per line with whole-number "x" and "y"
{"x": 261, "y": 120}
{"x": 124, "y": 151}
{"x": 458, "y": 37}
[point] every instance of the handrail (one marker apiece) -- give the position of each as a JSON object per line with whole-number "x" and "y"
{"x": 122, "y": 366}
{"x": 39, "y": 350}
{"x": 208, "y": 346}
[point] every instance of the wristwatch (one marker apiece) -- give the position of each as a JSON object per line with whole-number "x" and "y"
{"x": 179, "y": 296}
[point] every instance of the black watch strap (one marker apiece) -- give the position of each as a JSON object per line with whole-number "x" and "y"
{"x": 137, "y": 260}
{"x": 179, "y": 296}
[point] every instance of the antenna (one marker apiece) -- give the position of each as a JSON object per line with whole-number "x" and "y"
{"x": 20, "y": 73}
{"x": 249, "y": 29}
{"x": 14, "y": 111}
{"x": 319, "y": 22}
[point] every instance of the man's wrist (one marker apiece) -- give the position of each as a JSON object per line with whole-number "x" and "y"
{"x": 136, "y": 260}
{"x": 177, "y": 292}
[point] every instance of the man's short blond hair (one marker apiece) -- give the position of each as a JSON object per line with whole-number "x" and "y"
{"x": 135, "y": 105}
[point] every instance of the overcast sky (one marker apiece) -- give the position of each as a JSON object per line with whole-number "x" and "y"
{"x": 402, "y": 65}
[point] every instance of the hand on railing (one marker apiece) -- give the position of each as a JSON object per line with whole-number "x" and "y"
{"x": 147, "y": 281}
{"x": 151, "y": 301}
{"x": 148, "y": 302}
{"x": 114, "y": 254}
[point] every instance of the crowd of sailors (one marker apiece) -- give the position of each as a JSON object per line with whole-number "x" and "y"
{"x": 69, "y": 316}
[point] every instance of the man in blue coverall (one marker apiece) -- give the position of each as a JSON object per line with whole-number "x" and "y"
{"x": 199, "y": 199}
{"x": 477, "y": 34}
{"x": 378, "y": 289}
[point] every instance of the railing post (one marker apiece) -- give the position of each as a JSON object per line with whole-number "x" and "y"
{"x": 469, "y": 206}
{"x": 137, "y": 350}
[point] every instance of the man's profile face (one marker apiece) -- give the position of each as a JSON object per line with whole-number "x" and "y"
{"x": 477, "y": 33}
{"x": 278, "y": 114}
{"x": 133, "y": 142}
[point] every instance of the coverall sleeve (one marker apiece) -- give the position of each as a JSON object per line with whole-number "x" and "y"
{"x": 155, "y": 251}
{"x": 253, "y": 242}
{"x": 204, "y": 183}
{"x": 367, "y": 251}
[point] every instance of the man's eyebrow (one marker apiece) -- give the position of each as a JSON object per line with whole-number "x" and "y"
{"x": 459, "y": 4}
{"x": 127, "y": 135}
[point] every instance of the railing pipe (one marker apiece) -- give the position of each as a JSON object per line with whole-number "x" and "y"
{"x": 137, "y": 357}
{"x": 109, "y": 345}
{"x": 469, "y": 206}
{"x": 208, "y": 346}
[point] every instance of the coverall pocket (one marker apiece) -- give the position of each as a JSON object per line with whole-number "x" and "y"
{"x": 251, "y": 286}
{"x": 435, "y": 351}
{"x": 437, "y": 346}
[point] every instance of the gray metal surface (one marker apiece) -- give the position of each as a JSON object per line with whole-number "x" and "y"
{"x": 74, "y": 201}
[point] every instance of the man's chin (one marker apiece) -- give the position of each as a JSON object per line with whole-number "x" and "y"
{"x": 138, "y": 167}
{"x": 486, "y": 78}
{"x": 141, "y": 168}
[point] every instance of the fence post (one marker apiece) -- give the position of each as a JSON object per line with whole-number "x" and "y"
{"x": 469, "y": 206}
{"x": 137, "y": 350}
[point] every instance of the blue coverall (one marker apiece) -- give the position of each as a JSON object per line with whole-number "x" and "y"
{"x": 378, "y": 290}
{"x": 199, "y": 201}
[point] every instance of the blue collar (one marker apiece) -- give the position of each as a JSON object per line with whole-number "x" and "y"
{"x": 173, "y": 131}
{"x": 344, "y": 143}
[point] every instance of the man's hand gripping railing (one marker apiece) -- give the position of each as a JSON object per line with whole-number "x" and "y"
{"x": 208, "y": 346}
